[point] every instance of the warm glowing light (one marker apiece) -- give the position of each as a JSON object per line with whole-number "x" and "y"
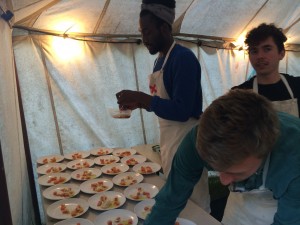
{"x": 67, "y": 26}
{"x": 66, "y": 48}
{"x": 240, "y": 42}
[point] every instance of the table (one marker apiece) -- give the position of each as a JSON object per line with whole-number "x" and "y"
{"x": 191, "y": 211}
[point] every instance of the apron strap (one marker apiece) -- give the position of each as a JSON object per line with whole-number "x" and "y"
{"x": 167, "y": 56}
{"x": 255, "y": 85}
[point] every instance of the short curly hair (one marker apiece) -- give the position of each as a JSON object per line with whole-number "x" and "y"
{"x": 262, "y": 32}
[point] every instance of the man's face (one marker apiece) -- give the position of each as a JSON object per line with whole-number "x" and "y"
{"x": 151, "y": 34}
{"x": 265, "y": 57}
{"x": 240, "y": 171}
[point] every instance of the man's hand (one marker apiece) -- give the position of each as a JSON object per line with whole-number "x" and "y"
{"x": 128, "y": 99}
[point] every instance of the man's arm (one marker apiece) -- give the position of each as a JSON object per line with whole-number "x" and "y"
{"x": 288, "y": 211}
{"x": 186, "y": 171}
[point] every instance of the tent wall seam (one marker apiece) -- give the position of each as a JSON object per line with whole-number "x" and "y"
{"x": 107, "y": 2}
{"x": 37, "y": 13}
{"x": 138, "y": 89}
{"x": 51, "y": 99}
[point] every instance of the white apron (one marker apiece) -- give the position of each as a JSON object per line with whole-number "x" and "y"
{"x": 255, "y": 207}
{"x": 289, "y": 106}
{"x": 171, "y": 135}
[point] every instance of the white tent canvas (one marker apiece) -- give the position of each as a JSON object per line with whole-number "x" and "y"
{"x": 71, "y": 57}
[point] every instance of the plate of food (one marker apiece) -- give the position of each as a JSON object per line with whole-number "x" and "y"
{"x": 107, "y": 200}
{"x": 61, "y": 191}
{"x": 101, "y": 151}
{"x": 182, "y": 221}
{"x": 141, "y": 191}
{"x": 133, "y": 160}
{"x": 146, "y": 168}
{"x": 127, "y": 179}
{"x": 67, "y": 208}
{"x": 86, "y": 173}
{"x": 51, "y": 168}
{"x": 80, "y": 163}
{"x": 96, "y": 185}
{"x": 75, "y": 221}
{"x": 122, "y": 152}
{"x": 53, "y": 179}
{"x": 116, "y": 217}
{"x": 50, "y": 159}
{"x": 114, "y": 168}
{"x": 143, "y": 208}
{"x": 77, "y": 155}
{"x": 106, "y": 159}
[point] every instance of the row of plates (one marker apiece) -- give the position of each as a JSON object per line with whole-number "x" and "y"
{"x": 86, "y": 163}
{"x": 93, "y": 186}
{"x": 92, "y": 173}
{"x": 120, "y": 152}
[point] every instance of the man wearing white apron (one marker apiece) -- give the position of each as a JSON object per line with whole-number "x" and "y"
{"x": 256, "y": 151}
{"x": 266, "y": 50}
{"x": 175, "y": 88}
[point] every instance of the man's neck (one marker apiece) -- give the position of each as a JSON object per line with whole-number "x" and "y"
{"x": 166, "y": 48}
{"x": 268, "y": 78}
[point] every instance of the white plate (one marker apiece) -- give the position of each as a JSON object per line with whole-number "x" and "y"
{"x": 146, "y": 168}
{"x": 80, "y": 163}
{"x": 127, "y": 179}
{"x": 122, "y": 152}
{"x": 101, "y": 151}
{"x": 86, "y": 174}
{"x": 54, "y": 210}
{"x": 111, "y": 215}
{"x": 77, "y": 155}
{"x": 50, "y": 159}
{"x": 107, "y": 200}
{"x": 106, "y": 159}
{"x": 133, "y": 160}
{"x": 183, "y": 221}
{"x": 61, "y": 191}
{"x": 104, "y": 184}
{"x": 54, "y": 178}
{"x": 74, "y": 221}
{"x": 137, "y": 192}
{"x": 51, "y": 168}
{"x": 114, "y": 168}
{"x": 143, "y": 208}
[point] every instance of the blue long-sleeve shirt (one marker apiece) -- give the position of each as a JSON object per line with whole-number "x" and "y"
{"x": 283, "y": 177}
{"x": 182, "y": 80}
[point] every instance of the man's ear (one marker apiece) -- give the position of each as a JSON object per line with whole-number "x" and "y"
{"x": 282, "y": 54}
{"x": 165, "y": 29}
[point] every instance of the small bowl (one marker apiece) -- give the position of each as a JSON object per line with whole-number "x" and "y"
{"x": 119, "y": 114}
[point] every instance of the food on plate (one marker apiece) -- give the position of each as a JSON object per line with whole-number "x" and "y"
{"x": 132, "y": 161}
{"x": 54, "y": 169}
{"x": 102, "y": 152}
{"x": 64, "y": 192}
{"x": 80, "y": 165}
{"x": 123, "y": 154}
{"x": 56, "y": 180}
{"x": 113, "y": 170}
{"x": 51, "y": 160}
{"x": 119, "y": 221}
{"x": 146, "y": 169}
{"x": 86, "y": 175}
{"x": 107, "y": 161}
{"x": 128, "y": 180}
{"x": 141, "y": 194}
{"x": 106, "y": 203}
{"x": 99, "y": 186}
{"x": 146, "y": 211}
{"x": 76, "y": 156}
{"x": 75, "y": 212}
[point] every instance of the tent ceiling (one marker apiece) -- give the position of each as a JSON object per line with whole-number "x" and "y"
{"x": 217, "y": 19}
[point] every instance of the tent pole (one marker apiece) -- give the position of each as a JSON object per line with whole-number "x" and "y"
{"x": 5, "y": 215}
{"x": 28, "y": 155}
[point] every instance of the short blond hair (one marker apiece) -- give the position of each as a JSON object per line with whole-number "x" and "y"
{"x": 236, "y": 125}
